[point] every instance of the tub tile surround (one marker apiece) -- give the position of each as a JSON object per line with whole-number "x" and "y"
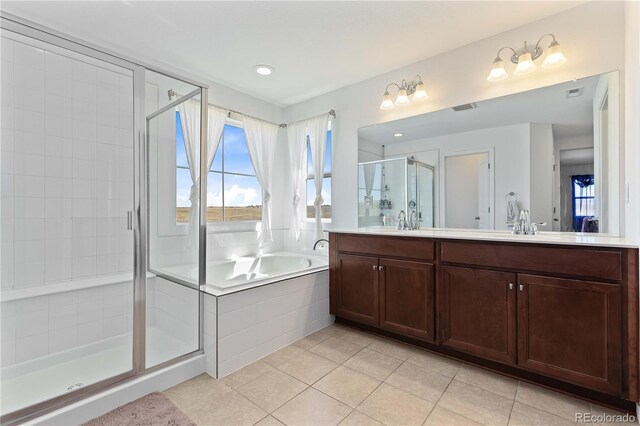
{"x": 412, "y": 390}
{"x": 257, "y": 322}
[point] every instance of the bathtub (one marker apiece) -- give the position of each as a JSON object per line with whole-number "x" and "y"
{"x": 231, "y": 275}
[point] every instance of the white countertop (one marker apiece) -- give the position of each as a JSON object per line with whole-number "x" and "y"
{"x": 562, "y": 238}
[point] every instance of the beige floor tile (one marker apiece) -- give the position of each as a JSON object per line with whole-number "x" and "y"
{"x": 197, "y": 392}
{"x": 308, "y": 367}
{"x": 552, "y": 402}
{"x": 441, "y": 416}
{"x": 336, "y": 349}
{"x": 283, "y": 355}
{"x": 476, "y": 404}
{"x": 615, "y": 417}
{"x": 313, "y": 339}
{"x": 445, "y": 366}
{"x": 347, "y": 385}
{"x": 374, "y": 364}
{"x": 269, "y": 421}
{"x": 393, "y": 406}
{"x": 487, "y": 380}
{"x": 271, "y": 390}
{"x": 426, "y": 384}
{"x": 247, "y": 374}
{"x": 231, "y": 409}
{"x": 312, "y": 407}
{"x": 524, "y": 415}
{"x": 356, "y": 336}
{"x": 392, "y": 348}
{"x": 356, "y": 418}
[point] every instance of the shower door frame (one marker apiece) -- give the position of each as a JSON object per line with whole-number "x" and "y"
{"x": 40, "y": 33}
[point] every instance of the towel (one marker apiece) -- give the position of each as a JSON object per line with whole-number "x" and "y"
{"x": 512, "y": 211}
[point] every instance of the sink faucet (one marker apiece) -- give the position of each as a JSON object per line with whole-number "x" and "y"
{"x": 524, "y": 226}
{"x": 402, "y": 220}
{"x": 317, "y": 242}
{"x": 414, "y": 222}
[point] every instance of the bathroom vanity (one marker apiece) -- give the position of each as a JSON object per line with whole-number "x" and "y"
{"x": 557, "y": 309}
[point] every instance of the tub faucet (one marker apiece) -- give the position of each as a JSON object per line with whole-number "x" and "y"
{"x": 317, "y": 242}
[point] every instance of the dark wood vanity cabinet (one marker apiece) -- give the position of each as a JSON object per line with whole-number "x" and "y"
{"x": 571, "y": 330}
{"x": 569, "y": 314}
{"x": 478, "y": 312}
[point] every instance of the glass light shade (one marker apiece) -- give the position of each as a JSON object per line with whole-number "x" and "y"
{"x": 420, "y": 94}
{"x": 525, "y": 64}
{"x": 387, "y": 103}
{"x": 402, "y": 98}
{"x": 554, "y": 57}
{"x": 497, "y": 71}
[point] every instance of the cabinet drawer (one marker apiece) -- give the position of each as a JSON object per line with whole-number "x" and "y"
{"x": 593, "y": 263}
{"x": 406, "y": 248}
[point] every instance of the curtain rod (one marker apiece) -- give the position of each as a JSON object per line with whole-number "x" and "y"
{"x": 172, "y": 93}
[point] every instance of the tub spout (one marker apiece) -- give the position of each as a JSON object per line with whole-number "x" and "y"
{"x": 317, "y": 242}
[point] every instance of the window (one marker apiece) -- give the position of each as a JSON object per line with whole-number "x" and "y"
{"x": 583, "y": 199}
{"x": 233, "y": 191}
{"x": 326, "y": 183}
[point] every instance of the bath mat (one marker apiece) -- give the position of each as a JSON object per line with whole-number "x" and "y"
{"x": 154, "y": 409}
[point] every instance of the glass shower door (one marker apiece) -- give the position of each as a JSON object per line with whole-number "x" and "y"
{"x": 67, "y": 247}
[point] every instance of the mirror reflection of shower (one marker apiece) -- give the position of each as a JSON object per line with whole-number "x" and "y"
{"x": 386, "y": 187}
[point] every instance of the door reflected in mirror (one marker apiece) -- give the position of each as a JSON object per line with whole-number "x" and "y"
{"x": 553, "y": 151}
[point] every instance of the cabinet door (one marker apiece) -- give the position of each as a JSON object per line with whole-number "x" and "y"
{"x": 407, "y": 301}
{"x": 571, "y": 330}
{"x": 478, "y": 312}
{"x": 357, "y": 288}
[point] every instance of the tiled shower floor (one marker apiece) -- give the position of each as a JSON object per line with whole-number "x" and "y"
{"x": 342, "y": 376}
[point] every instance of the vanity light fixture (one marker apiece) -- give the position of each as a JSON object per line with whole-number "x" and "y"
{"x": 524, "y": 59}
{"x": 407, "y": 92}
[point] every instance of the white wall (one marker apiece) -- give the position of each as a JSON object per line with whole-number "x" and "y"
{"x": 592, "y": 38}
{"x": 541, "y": 174}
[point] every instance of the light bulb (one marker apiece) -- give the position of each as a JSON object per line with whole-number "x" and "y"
{"x": 387, "y": 103}
{"x": 554, "y": 57}
{"x": 525, "y": 64}
{"x": 420, "y": 94}
{"x": 497, "y": 71}
{"x": 402, "y": 98}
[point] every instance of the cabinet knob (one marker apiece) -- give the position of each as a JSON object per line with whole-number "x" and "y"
{"x": 510, "y": 286}
{"x": 375, "y": 267}
{"x": 380, "y": 268}
{"x": 521, "y": 287}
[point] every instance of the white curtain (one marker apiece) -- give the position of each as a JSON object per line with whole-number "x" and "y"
{"x": 297, "y": 138}
{"x": 317, "y": 127}
{"x": 190, "y": 120}
{"x": 261, "y": 139}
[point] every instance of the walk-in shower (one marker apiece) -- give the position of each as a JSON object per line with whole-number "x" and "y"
{"x": 84, "y": 137}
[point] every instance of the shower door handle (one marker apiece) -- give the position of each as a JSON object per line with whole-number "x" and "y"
{"x": 130, "y": 220}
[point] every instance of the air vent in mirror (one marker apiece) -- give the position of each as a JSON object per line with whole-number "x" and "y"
{"x": 464, "y": 107}
{"x": 574, "y": 93}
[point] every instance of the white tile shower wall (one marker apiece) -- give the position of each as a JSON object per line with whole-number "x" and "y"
{"x": 210, "y": 334}
{"x": 259, "y": 321}
{"x": 174, "y": 310}
{"x": 67, "y": 168}
{"x": 43, "y": 325}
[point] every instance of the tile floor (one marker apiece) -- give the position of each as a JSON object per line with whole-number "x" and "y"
{"x": 339, "y": 375}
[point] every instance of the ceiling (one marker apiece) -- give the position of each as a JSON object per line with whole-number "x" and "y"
{"x": 570, "y": 117}
{"x": 315, "y": 47}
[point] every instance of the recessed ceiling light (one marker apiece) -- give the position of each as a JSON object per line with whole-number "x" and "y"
{"x": 398, "y": 135}
{"x": 263, "y": 69}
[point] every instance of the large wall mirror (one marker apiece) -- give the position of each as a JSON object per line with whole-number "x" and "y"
{"x": 554, "y": 151}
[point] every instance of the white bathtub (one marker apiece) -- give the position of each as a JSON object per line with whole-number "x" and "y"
{"x": 231, "y": 275}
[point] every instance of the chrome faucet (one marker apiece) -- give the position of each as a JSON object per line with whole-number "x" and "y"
{"x": 317, "y": 242}
{"x": 402, "y": 220}
{"x": 414, "y": 222}
{"x": 524, "y": 226}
